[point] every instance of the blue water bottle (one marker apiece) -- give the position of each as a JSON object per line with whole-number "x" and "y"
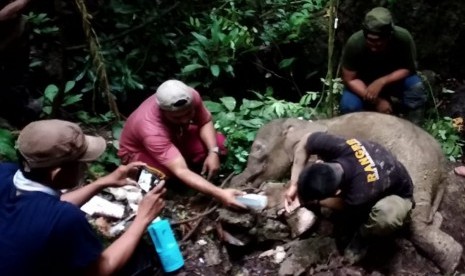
{"x": 166, "y": 245}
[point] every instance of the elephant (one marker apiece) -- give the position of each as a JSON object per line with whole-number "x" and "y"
{"x": 272, "y": 154}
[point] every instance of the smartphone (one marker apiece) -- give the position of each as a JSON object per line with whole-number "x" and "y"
{"x": 148, "y": 179}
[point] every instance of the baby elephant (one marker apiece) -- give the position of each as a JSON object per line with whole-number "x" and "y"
{"x": 273, "y": 152}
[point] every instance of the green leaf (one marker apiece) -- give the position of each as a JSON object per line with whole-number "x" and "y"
{"x": 251, "y": 104}
{"x": 116, "y": 129}
{"x": 50, "y": 92}
{"x": 201, "y": 38}
{"x": 215, "y": 69}
{"x": 6, "y": 137}
{"x": 229, "y": 103}
{"x": 69, "y": 100}
{"x": 285, "y": 63}
{"x": 47, "y": 110}
{"x": 201, "y": 53}
{"x": 69, "y": 85}
{"x": 213, "y": 107}
{"x": 191, "y": 67}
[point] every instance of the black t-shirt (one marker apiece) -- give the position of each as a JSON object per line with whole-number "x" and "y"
{"x": 371, "y": 172}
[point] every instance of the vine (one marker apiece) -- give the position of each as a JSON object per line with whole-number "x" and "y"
{"x": 97, "y": 59}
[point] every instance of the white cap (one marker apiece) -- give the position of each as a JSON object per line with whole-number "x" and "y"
{"x": 174, "y": 95}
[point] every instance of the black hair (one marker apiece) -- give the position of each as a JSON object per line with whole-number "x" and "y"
{"x": 40, "y": 175}
{"x": 316, "y": 182}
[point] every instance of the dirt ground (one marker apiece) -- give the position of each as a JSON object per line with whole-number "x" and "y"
{"x": 205, "y": 254}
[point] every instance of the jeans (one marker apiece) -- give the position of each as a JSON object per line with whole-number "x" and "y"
{"x": 412, "y": 95}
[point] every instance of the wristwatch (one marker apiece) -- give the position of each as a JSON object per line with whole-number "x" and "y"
{"x": 215, "y": 150}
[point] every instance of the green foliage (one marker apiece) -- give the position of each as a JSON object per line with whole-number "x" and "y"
{"x": 144, "y": 43}
{"x": 7, "y": 145}
{"x": 213, "y": 50}
{"x": 445, "y": 133}
{"x": 109, "y": 160}
{"x": 51, "y": 92}
{"x": 286, "y": 22}
{"x": 42, "y": 24}
{"x": 240, "y": 123}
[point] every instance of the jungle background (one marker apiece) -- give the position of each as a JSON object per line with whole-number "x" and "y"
{"x": 94, "y": 62}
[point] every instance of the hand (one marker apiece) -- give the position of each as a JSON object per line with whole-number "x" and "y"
{"x": 290, "y": 196}
{"x": 12, "y": 10}
{"x": 211, "y": 165}
{"x": 122, "y": 175}
{"x": 152, "y": 204}
{"x": 373, "y": 90}
{"x": 228, "y": 198}
{"x": 383, "y": 106}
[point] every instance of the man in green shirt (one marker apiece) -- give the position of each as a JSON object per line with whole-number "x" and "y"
{"x": 378, "y": 65}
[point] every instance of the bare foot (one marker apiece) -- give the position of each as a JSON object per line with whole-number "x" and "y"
{"x": 460, "y": 171}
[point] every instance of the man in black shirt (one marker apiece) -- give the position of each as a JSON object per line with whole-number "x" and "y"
{"x": 357, "y": 176}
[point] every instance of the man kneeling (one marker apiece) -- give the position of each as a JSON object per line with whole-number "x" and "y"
{"x": 360, "y": 178}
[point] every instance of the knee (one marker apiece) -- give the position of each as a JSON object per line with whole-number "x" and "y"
{"x": 350, "y": 102}
{"x": 415, "y": 94}
{"x": 389, "y": 215}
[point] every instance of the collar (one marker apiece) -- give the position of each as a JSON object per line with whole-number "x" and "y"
{"x": 23, "y": 184}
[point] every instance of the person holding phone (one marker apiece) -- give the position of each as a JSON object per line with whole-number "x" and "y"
{"x": 44, "y": 232}
{"x": 173, "y": 132}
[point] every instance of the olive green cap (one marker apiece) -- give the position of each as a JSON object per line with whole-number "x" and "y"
{"x": 378, "y": 20}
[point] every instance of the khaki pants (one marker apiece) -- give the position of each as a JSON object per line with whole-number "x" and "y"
{"x": 388, "y": 215}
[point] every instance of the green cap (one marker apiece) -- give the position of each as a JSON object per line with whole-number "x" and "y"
{"x": 378, "y": 21}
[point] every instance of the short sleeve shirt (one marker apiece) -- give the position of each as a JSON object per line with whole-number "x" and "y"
{"x": 147, "y": 131}
{"x": 371, "y": 172}
{"x": 399, "y": 54}
{"x": 41, "y": 235}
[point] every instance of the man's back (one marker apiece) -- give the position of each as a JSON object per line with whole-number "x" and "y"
{"x": 370, "y": 171}
{"x": 41, "y": 235}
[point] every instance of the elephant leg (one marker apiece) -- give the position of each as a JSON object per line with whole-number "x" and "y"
{"x": 440, "y": 247}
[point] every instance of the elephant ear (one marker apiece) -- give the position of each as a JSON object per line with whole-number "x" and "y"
{"x": 295, "y": 129}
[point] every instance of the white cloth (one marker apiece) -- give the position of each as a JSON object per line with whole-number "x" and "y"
{"x": 26, "y": 185}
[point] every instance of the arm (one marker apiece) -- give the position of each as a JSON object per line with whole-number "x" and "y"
{"x": 13, "y": 9}
{"x": 118, "y": 178}
{"x": 118, "y": 253}
{"x": 83, "y": 194}
{"x": 212, "y": 161}
{"x": 353, "y": 83}
{"x": 376, "y": 86}
{"x": 325, "y": 145}
{"x": 335, "y": 203}
{"x": 300, "y": 159}
{"x": 179, "y": 168}
{"x": 394, "y": 76}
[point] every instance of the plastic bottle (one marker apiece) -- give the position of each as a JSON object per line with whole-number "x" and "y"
{"x": 253, "y": 201}
{"x": 166, "y": 245}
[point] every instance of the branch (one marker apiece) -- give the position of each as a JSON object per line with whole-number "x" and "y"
{"x": 126, "y": 32}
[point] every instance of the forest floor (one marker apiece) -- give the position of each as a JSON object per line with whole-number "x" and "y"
{"x": 205, "y": 254}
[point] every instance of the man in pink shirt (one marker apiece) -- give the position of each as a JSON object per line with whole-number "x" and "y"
{"x": 172, "y": 129}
